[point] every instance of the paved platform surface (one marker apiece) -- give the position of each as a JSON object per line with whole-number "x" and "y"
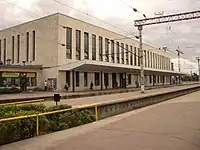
{"x": 48, "y": 94}
{"x": 118, "y": 96}
{"x": 171, "y": 125}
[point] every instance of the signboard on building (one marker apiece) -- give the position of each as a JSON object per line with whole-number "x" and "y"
{"x": 10, "y": 74}
{"x": 30, "y": 75}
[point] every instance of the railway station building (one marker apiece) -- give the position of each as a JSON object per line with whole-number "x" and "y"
{"x": 61, "y": 49}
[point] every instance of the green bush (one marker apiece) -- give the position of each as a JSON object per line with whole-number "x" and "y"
{"x": 9, "y": 90}
{"x": 26, "y": 128}
{"x": 57, "y": 107}
{"x": 36, "y": 107}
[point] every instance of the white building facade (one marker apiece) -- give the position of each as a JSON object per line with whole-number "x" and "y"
{"x": 61, "y": 50}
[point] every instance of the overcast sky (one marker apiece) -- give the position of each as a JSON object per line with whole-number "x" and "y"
{"x": 184, "y": 34}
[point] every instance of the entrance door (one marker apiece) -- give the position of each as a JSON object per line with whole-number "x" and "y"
{"x": 121, "y": 79}
{"x": 68, "y": 77}
{"x": 114, "y": 80}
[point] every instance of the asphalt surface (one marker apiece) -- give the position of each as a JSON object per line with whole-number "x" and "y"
{"x": 174, "y": 124}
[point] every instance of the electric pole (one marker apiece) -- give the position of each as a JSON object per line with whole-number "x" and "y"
{"x": 198, "y": 60}
{"x": 159, "y": 20}
{"x": 179, "y": 61}
{"x": 141, "y": 61}
{"x": 179, "y": 64}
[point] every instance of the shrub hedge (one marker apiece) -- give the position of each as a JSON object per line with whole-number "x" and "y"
{"x": 9, "y": 90}
{"x": 26, "y": 128}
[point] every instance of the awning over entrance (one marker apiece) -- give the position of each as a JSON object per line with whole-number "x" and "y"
{"x": 97, "y": 66}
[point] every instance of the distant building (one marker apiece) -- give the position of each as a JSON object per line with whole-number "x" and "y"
{"x": 61, "y": 50}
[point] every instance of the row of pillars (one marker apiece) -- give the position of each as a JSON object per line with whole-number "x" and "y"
{"x": 101, "y": 80}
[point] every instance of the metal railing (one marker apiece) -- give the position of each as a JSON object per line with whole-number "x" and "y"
{"x": 95, "y": 106}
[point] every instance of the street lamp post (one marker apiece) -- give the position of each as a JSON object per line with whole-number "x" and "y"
{"x": 141, "y": 60}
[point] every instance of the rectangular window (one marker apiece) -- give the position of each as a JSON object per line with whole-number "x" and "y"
{"x": 135, "y": 56}
{"x": 145, "y": 58}
{"x": 139, "y": 57}
{"x": 0, "y": 53}
{"x": 148, "y": 59}
{"x": 117, "y": 48}
{"x": 85, "y": 78}
{"x": 127, "y": 51}
{"x": 33, "y": 39}
{"x": 27, "y": 46}
{"x": 93, "y": 47}
{"x": 86, "y": 45}
{"x": 77, "y": 79}
{"x": 131, "y": 55}
{"x": 112, "y": 51}
{"x": 129, "y": 79}
{"x": 107, "y": 49}
{"x": 18, "y": 48}
{"x": 78, "y": 45}
{"x": 158, "y": 78}
{"x": 69, "y": 43}
{"x": 97, "y": 79}
{"x": 122, "y": 52}
{"x": 150, "y": 79}
{"x": 4, "y": 55}
{"x": 151, "y": 60}
{"x": 100, "y": 48}
{"x": 13, "y": 49}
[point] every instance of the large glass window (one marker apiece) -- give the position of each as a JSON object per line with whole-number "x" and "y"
{"x": 122, "y": 52}
{"x": 18, "y": 48}
{"x": 96, "y": 79}
{"x": 100, "y": 48}
{"x": 131, "y": 55}
{"x": 112, "y": 51}
{"x": 86, "y": 45}
{"x": 85, "y": 78}
{"x": 27, "y": 46}
{"x": 135, "y": 56}
{"x": 107, "y": 49}
{"x": 127, "y": 51}
{"x": 77, "y": 79}
{"x": 93, "y": 47}
{"x": 33, "y": 40}
{"x": 13, "y": 79}
{"x": 13, "y": 49}
{"x": 4, "y": 56}
{"x": 117, "y": 48}
{"x": 69, "y": 43}
{"x": 78, "y": 44}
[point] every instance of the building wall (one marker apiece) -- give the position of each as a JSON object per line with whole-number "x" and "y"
{"x": 46, "y": 41}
